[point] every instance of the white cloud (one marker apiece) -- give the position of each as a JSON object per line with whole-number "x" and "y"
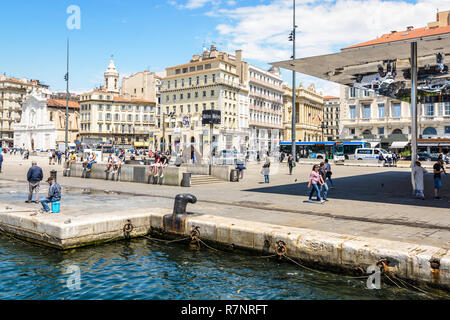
{"x": 193, "y": 4}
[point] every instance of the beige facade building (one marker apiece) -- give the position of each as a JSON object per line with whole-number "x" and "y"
{"x": 110, "y": 118}
{"x": 210, "y": 81}
{"x": 331, "y": 109}
{"x": 12, "y": 93}
{"x": 309, "y": 113}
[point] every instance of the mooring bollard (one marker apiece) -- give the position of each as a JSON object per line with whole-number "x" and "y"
{"x": 53, "y": 174}
{"x": 181, "y": 202}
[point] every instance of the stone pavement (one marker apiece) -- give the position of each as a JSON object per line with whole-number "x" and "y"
{"x": 367, "y": 202}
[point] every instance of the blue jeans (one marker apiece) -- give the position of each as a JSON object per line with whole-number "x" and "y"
{"x": 266, "y": 178}
{"x": 437, "y": 183}
{"x": 315, "y": 189}
{"x": 48, "y": 200}
{"x": 331, "y": 181}
{"x": 89, "y": 166}
{"x": 324, "y": 191}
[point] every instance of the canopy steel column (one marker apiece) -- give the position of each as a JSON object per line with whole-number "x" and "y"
{"x": 413, "y": 111}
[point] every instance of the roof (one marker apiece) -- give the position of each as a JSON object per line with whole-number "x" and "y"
{"x": 62, "y": 103}
{"x": 403, "y": 35}
{"x": 330, "y": 97}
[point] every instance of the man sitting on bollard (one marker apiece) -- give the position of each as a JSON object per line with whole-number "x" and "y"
{"x": 92, "y": 159}
{"x": 54, "y": 194}
{"x": 112, "y": 162}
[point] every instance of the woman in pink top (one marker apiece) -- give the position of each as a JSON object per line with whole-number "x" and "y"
{"x": 316, "y": 181}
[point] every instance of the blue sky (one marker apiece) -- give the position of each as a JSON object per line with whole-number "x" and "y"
{"x": 159, "y": 33}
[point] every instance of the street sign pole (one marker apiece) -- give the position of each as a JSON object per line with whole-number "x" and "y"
{"x": 413, "y": 112}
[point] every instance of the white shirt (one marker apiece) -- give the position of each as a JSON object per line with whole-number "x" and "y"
{"x": 418, "y": 177}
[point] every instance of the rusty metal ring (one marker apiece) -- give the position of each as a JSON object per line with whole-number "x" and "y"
{"x": 128, "y": 228}
{"x": 195, "y": 234}
{"x": 281, "y": 248}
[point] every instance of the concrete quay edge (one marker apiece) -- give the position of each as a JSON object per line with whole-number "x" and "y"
{"x": 316, "y": 249}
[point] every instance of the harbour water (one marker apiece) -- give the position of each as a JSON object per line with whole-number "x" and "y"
{"x": 146, "y": 269}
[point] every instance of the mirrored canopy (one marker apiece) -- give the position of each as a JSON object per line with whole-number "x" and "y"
{"x": 385, "y": 68}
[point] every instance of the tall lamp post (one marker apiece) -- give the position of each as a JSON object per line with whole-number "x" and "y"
{"x": 292, "y": 37}
{"x": 170, "y": 115}
{"x": 67, "y": 103}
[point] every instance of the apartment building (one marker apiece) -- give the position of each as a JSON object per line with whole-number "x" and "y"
{"x": 107, "y": 117}
{"x": 331, "y": 109}
{"x": 266, "y": 109}
{"x": 210, "y": 81}
{"x": 308, "y": 111}
{"x": 12, "y": 93}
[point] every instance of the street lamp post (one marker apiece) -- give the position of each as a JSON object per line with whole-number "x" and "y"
{"x": 67, "y": 103}
{"x": 292, "y": 38}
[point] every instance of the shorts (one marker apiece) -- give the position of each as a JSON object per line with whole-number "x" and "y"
{"x": 437, "y": 183}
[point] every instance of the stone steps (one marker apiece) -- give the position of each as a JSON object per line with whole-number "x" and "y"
{"x": 204, "y": 179}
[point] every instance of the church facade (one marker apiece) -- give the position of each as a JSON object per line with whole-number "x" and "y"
{"x": 42, "y": 125}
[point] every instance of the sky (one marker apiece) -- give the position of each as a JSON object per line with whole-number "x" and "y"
{"x": 155, "y": 34}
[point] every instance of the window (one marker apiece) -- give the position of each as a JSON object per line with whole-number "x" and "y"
{"x": 177, "y": 71}
{"x": 100, "y": 116}
{"x": 199, "y": 68}
{"x": 99, "y": 128}
{"x": 366, "y": 113}
{"x": 176, "y": 83}
{"x": 381, "y": 131}
{"x": 181, "y": 109}
{"x": 204, "y": 106}
{"x": 204, "y": 93}
{"x": 207, "y": 66}
{"x": 196, "y": 108}
{"x": 189, "y": 95}
{"x": 168, "y": 84}
{"x": 212, "y": 93}
{"x": 447, "y": 109}
{"x": 130, "y": 119}
{"x": 190, "y": 81}
{"x": 430, "y": 109}
{"x": 182, "y": 83}
{"x": 212, "y": 105}
{"x": 447, "y": 130}
{"x": 397, "y": 111}
{"x": 196, "y": 94}
{"x": 430, "y": 131}
{"x": 197, "y": 81}
{"x": 181, "y": 96}
{"x": 352, "y": 92}
{"x": 381, "y": 113}
{"x": 189, "y": 108}
{"x": 352, "y": 112}
{"x": 352, "y": 131}
{"x": 206, "y": 79}
{"x": 213, "y": 78}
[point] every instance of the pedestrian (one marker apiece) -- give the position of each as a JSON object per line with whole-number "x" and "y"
{"x": 50, "y": 157}
{"x": 34, "y": 177}
{"x": 258, "y": 157}
{"x": 329, "y": 173}
{"x": 59, "y": 155}
{"x": 291, "y": 163}
{"x": 92, "y": 159}
{"x": 389, "y": 159}
{"x": 1, "y": 162}
{"x": 240, "y": 166}
{"x": 418, "y": 172}
{"x": 54, "y": 194}
{"x": 438, "y": 169}
{"x": 324, "y": 186}
{"x": 282, "y": 156}
{"x": 315, "y": 182}
{"x": 266, "y": 170}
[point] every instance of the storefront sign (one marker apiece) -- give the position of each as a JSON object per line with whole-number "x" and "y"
{"x": 211, "y": 117}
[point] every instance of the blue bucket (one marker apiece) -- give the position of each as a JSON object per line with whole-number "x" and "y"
{"x": 56, "y": 206}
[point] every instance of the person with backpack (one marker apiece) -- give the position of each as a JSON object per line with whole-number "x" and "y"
{"x": 329, "y": 173}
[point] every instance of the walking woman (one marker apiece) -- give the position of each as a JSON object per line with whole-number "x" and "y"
{"x": 266, "y": 170}
{"x": 315, "y": 181}
{"x": 291, "y": 163}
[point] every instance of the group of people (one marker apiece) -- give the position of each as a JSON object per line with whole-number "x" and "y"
{"x": 34, "y": 178}
{"x": 419, "y": 171}
{"x": 318, "y": 181}
{"x": 54, "y": 156}
{"x": 160, "y": 163}
{"x": 390, "y": 159}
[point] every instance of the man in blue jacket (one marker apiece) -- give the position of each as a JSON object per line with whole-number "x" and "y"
{"x": 34, "y": 177}
{"x": 54, "y": 194}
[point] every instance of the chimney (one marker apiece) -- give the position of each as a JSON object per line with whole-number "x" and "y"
{"x": 394, "y": 31}
{"x": 238, "y": 55}
{"x": 409, "y": 28}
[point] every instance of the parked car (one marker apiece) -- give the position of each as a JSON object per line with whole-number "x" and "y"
{"x": 421, "y": 156}
{"x": 369, "y": 153}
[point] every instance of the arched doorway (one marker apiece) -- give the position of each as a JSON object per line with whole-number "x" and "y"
{"x": 397, "y": 131}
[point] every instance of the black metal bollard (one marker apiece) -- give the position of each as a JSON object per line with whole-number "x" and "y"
{"x": 181, "y": 202}
{"x": 53, "y": 174}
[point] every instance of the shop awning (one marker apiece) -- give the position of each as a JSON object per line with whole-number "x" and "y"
{"x": 399, "y": 144}
{"x": 374, "y": 144}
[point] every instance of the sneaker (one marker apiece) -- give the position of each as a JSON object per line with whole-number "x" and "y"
{"x": 310, "y": 201}
{"x": 36, "y": 201}
{"x": 28, "y": 201}
{"x": 321, "y": 201}
{"x": 162, "y": 176}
